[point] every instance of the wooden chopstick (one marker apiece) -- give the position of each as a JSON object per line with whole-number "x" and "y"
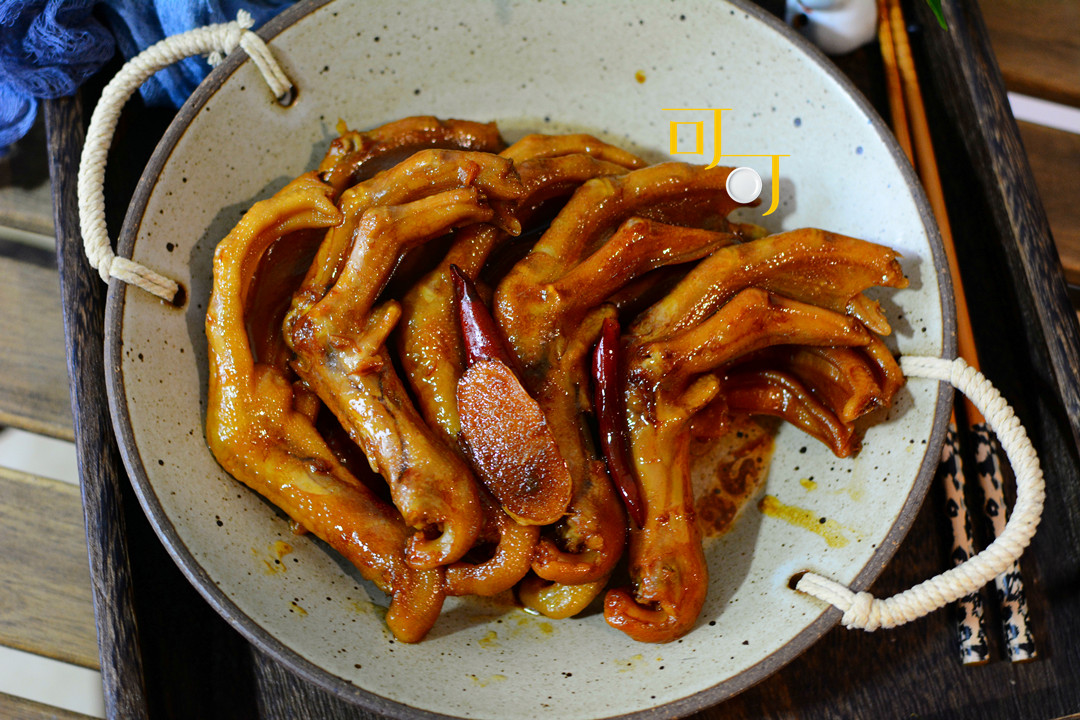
{"x": 971, "y": 638}
{"x": 897, "y": 108}
{"x": 1009, "y": 586}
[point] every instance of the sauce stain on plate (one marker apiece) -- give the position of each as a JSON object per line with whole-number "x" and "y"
{"x": 273, "y": 564}
{"x": 631, "y": 663}
{"x": 484, "y": 682}
{"x": 531, "y": 626}
{"x": 366, "y": 607}
{"x": 830, "y": 530}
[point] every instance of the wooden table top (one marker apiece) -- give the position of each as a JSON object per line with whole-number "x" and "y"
{"x": 908, "y": 671}
{"x": 1037, "y": 45}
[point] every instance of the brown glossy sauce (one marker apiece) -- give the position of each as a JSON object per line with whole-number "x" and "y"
{"x": 279, "y": 273}
{"x": 728, "y": 471}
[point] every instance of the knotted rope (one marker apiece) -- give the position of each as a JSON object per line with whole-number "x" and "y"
{"x": 217, "y": 41}
{"x": 864, "y": 611}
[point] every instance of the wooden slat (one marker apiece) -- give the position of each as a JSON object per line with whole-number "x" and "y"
{"x": 25, "y": 199}
{"x": 1055, "y": 161}
{"x": 1037, "y": 44}
{"x": 14, "y": 708}
{"x": 100, "y": 467}
{"x": 45, "y": 600}
{"x": 34, "y": 392}
{"x": 967, "y": 79}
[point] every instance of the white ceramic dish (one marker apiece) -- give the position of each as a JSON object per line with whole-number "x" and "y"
{"x": 530, "y": 66}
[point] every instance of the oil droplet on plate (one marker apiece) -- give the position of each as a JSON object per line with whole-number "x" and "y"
{"x": 640, "y": 76}
{"x": 490, "y": 640}
{"x": 808, "y": 484}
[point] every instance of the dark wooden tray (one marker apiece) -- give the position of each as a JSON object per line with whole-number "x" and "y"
{"x": 166, "y": 654}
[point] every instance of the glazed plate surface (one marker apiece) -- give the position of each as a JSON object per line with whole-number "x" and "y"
{"x": 623, "y": 72}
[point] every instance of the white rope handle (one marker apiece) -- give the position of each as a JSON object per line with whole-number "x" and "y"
{"x": 862, "y": 610}
{"x": 215, "y": 40}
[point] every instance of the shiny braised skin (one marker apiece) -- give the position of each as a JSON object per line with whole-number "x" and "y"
{"x": 533, "y": 445}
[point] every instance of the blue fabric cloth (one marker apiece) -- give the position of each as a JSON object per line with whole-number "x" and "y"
{"x": 47, "y": 49}
{"x": 138, "y": 24}
{"x": 50, "y": 47}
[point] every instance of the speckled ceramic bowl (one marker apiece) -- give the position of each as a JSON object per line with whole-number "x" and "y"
{"x": 606, "y": 68}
